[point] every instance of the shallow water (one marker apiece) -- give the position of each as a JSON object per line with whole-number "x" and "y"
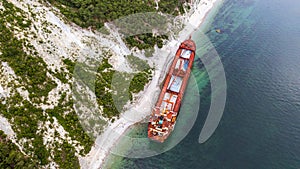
{"x": 260, "y": 49}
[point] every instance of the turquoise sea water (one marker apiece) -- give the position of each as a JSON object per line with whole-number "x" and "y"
{"x": 260, "y": 128}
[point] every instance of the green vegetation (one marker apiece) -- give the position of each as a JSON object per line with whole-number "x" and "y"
{"x": 70, "y": 65}
{"x": 137, "y": 63}
{"x": 65, "y": 157}
{"x": 139, "y": 81}
{"x": 11, "y": 156}
{"x": 96, "y": 12}
{"x": 61, "y": 76}
{"x": 104, "y": 31}
{"x": 104, "y": 97}
{"x": 26, "y": 117}
{"x": 29, "y": 67}
{"x": 25, "y": 121}
{"x": 145, "y": 41}
{"x": 83, "y": 73}
{"x": 32, "y": 71}
{"x": 142, "y": 77}
{"x": 169, "y": 6}
{"x": 149, "y": 52}
{"x": 114, "y": 89}
{"x": 67, "y": 117}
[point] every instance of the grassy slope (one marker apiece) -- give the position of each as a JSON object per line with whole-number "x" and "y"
{"x": 24, "y": 116}
{"x": 94, "y": 13}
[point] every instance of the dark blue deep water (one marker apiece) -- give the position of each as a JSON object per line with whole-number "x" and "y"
{"x": 260, "y": 129}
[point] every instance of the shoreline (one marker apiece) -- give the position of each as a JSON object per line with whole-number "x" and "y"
{"x": 100, "y": 152}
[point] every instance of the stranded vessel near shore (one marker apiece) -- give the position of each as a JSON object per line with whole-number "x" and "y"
{"x": 165, "y": 113}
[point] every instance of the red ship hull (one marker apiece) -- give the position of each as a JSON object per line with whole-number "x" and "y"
{"x": 165, "y": 113}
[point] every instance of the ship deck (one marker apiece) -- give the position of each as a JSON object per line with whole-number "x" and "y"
{"x": 165, "y": 113}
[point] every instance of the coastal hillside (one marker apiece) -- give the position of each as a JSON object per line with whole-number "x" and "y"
{"x": 56, "y": 55}
{"x": 95, "y": 14}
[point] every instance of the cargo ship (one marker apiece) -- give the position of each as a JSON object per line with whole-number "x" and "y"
{"x": 165, "y": 112}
